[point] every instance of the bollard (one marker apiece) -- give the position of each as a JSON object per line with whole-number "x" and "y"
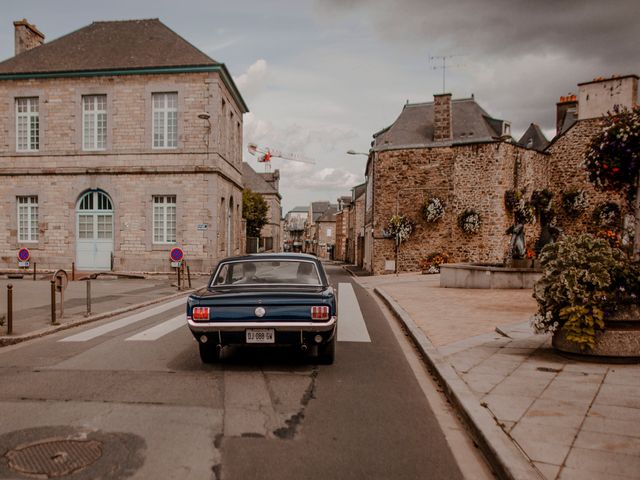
{"x": 9, "y": 309}
{"x": 178, "y": 278}
{"x": 88, "y": 298}
{"x": 34, "y": 271}
{"x": 53, "y": 302}
{"x": 73, "y": 271}
{"x": 189, "y": 275}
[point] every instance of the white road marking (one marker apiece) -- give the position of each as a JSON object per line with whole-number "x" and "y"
{"x": 154, "y": 333}
{"x": 123, "y": 322}
{"x": 351, "y": 326}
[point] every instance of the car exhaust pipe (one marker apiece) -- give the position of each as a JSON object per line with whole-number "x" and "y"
{"x": 303, "y": 347}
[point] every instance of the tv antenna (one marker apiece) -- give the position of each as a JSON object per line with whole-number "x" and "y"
{"x": 441, "y": 62}
{"x": 265, "y": 154}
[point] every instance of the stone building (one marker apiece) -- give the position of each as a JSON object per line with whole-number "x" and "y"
{"x": 118, "y": 141}
{"x": 325, "y": 233}
{"x": 294, "y": 228}
{"x": 314, "y": 212}
{"x": 342, "y": 224}
{"x": 267, "y": 185}
{"x": 453, "y": 150}
{"x": 355, "y": 242}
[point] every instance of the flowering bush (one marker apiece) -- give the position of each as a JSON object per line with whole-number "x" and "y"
{"x": 469, "y": 221}
{"x": 574, "y": 202}
{"x": 583, "y": 281}
{"x": 400, "y": 227}
{"x": 433, "y": 210}
{"x": 612, "y": 159}
{"x": 607, "y": 215}
{"x": 511, "y": 199}
{"x": 432, "y": 263}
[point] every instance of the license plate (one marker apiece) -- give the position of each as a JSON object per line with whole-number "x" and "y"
{"x": 260, "y": 335}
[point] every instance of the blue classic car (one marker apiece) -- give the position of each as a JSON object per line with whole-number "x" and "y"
{"x": 265, "y": 299}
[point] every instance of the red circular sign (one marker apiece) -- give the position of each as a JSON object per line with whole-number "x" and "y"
{"x": 176, "y": 254}
{"x": 24, "y": 254}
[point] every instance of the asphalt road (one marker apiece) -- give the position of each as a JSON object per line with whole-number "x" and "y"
{"x": 142, "y": 399}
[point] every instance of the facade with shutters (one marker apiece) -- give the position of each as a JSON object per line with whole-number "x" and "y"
{"x": 119, "y": 142}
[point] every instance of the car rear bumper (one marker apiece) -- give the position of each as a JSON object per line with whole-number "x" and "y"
{"x": 204, "y": 327}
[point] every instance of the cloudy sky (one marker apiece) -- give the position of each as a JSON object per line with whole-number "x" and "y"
{"x": 321, "y": 76}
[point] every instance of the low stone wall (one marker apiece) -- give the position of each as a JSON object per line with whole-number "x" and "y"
{"x": 468, "y": 275}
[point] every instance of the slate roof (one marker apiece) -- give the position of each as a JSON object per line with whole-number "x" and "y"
{"x": 319, "y": 208}
{"x": 359, "y": 190}
{"x": 329, "y": 215}
{"x": 111, "y": 45}
{"x": 255, "y": 181}
{"x": 533, "y": 138}
{"x": 414, "y": 126}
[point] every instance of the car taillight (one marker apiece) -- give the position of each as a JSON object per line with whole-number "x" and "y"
{"x": 200, "y": 313}
{"x": 320, "y": 313}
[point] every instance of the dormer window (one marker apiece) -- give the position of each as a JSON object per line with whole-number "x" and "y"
{"x": 506, "y": 129}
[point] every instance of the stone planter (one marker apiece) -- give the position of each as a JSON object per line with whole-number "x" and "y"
{"x": 620, "y": 339}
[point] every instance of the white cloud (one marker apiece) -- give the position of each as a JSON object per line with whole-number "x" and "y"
{"x": 254, "y": 80}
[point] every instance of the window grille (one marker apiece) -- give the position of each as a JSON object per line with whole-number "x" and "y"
{"x": 165, "y": 120}
{"x": 164, "y": 219}
{"x": 27, "y": 124}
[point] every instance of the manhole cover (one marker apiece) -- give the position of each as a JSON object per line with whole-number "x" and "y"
{"x": 54, "y": 458}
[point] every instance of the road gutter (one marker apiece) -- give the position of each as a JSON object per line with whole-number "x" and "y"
{"x": 506, "y": 458}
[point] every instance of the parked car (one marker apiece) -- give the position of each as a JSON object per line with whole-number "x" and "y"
{"x": 265, "y": 299}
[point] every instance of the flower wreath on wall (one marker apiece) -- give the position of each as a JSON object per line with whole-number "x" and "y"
{"x": 523, "y": 211}
{"x": 433, "y": 210}
{"x": 469, "y": 221}
{"x": 542, "y": 204}
{"x": 607, "y": 215}
{"x": 574, "y": 202}
{"x": 400, "y": 228}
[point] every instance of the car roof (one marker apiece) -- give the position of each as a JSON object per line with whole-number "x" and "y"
{"x": 272, "y": 256}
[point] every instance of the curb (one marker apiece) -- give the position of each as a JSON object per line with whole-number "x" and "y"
{"x": 504, "y": 456}
{"x": 11, "y": 340}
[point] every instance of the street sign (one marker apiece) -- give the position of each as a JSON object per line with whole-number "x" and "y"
{"x": 202, "y": 227}
{"x": 23, "y": 264}
{"x": 176, "y": 254}
{"x": 24, "y": 254}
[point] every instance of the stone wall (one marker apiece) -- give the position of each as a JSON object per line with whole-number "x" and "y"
{"x": 474, "y": 176}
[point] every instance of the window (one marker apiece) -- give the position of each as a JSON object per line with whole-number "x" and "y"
{"x": 27, "y": 124}
{"x": 164, "y": 219}
{"x": 94, "y": 122}
{"x": 28, "y": 219}
{"x": 165, "y": 120}
{"x": 329, "y": 232}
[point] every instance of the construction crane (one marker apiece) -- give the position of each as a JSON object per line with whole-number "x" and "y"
{"x": 265, "y": 154}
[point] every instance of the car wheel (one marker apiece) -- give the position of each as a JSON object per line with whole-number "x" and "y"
{"x": 209, "y": 353}
{"x": 327, "y": 352}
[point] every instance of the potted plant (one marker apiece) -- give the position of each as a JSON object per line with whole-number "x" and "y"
{"x": 431, "y": 264}
{"x": 585, "y": 288}
{"x": 574, "y": 202}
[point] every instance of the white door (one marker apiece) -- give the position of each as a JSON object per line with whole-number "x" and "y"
{"x": 94, "y": 227}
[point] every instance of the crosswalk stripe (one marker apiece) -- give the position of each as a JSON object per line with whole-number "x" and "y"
{"x": 123, "y": 322}
{"x": 160, "y": 330}
{"x": 351, "y": 326}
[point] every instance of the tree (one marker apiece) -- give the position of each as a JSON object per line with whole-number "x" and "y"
{"x": 613, "y": 160}
{"x": 254, "y": 211}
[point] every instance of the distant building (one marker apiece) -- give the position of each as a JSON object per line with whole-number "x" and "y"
{"x": 342, "y": 224}
{"x": 267, "y": 185}
{"x": 355, "y": 228}
{"x": 294, "y": 228}
{"x": 121, "y": 141}
{"x": 316, "y": 210}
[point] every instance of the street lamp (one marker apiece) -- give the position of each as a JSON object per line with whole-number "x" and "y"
{"x": 353, "y": 152}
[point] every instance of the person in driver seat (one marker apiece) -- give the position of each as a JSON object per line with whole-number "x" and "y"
{"x": 306, "y": 274}
{"x": 248, "y": 273}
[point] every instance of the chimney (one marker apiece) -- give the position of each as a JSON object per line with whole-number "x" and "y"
{"x": 442, "y": 129}
{"x": 27, "y": 36}
{"x": 603, "y": 95}
{"x": 567, "y": 105}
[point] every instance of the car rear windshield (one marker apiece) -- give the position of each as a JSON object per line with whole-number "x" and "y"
{"x": 266, "y": 272}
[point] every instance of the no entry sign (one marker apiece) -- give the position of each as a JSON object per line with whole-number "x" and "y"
{"x": 24, "y": 254}
{"x": 176, "y": 254}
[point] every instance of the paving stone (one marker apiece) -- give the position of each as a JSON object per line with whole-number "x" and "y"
{"x": 557, "y": 412}
{"x": 580, "y": 377}
{"x": 559, "y": 434}
{"x": 604, "y": 462}
{"x": 542, "y": 450}
{"x": 549, "y": 471}
{"x": 579, "y": 474}
{"x": 527, "y": 386}
{"x": 608, "y": 442}
{"x": 508, "y": 407}
{"x": 481, "y": 382}
{"x": 615, "y": 412}
{"x": 576, "y": 391}
{"x": 624, "y": 376}
{"x": 586, "y": 367}
{"x": 611, "y": 425}
{"x": 620, "y": 395}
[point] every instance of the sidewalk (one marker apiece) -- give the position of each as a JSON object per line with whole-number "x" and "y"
{"x": 536, "y": 414}
{"x": 110, "y": 296}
